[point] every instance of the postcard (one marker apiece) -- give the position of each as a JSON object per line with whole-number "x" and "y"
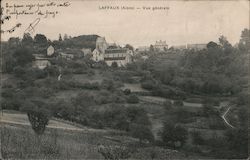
{"x": 124, "y": 79}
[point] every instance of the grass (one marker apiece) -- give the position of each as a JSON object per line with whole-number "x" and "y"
{"x": 22, "y": 142}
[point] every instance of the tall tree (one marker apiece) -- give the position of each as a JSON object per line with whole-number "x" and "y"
{"x": 60, "y": 37}
{"x": 27, "y": 40}
{"x": 40, "y": 39}
{"x": 244, "y": 43}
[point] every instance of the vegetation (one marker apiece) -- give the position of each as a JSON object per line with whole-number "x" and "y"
{"x": 90, "y": 94}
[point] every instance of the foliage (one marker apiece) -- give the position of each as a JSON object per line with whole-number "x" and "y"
{"x": 38, "y": 115}
{"x": 142, "y": 132}
{"x": 174, "y": 135}
{"x": 23, "y": 56}
{"x": 114, "y": 152}
{"x": 197, "y": 138}
{"x": 133, "y": 99}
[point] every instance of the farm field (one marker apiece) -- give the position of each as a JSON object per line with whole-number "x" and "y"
{"x": 18, "y": 141}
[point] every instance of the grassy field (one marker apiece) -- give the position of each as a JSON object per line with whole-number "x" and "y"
{"x": 68, "y": 142}
{"x": 21, "y": 142}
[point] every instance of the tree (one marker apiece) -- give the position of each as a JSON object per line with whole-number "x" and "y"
{"x": 151, "y": 48}
{"x": 38, "y": 120}
{"x": 27, "y": 40}
{"x": 40, "y": 39}
{"x": 60, "y": 37}
{"x": 212, "y": 45}
{"x": 244, "y": 44}
{"x": 65, "y": 37}
{"x": 114, "y": 65}
{"x": 13, "y": 42}
{"x": 197, "y": 138}
{"x": 174, "y": 136}
{"x": 142, "y": 132}
{"x": 238, "y": 142}
{"x": 133, "y": 99}
{"x": 38, "y": 115}
{"x": 114, "y": 152}
{"x": 178, "y": 103}
{"x": 130, "y": 47}
{"x": 227, "y": 47}
{"x": 167, "y": 105}
{"x": 23, "y": 56}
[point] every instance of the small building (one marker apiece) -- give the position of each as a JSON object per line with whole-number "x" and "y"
{"x": 143, "y": 49}
{"x": 161, "y": 45}
{"x": 99, "y": 51}
{"x": 86, "y": 51}
{"x": 40, "y": 61}
{"x": 50, "y": 50}
{"x": 196, "y": 47}
{"x": 121, "y": 56}
{"x": 111, "y": 54}
{"x": 66, "y": 56}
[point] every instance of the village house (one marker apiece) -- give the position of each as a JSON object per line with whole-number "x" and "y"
{"x": 121, "y": 56}
{"x": 66, "y": 56}
{"x": 40, "y": 61}
{"x": 111, "y": 54}
{"x": 196, "y": 47}
{"x": 86, "y": 51}
{"x": 160, "y": 45}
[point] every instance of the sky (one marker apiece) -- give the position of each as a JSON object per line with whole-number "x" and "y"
{"x": 181, "y": 22}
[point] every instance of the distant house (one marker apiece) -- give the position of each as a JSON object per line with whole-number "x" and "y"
{"x": 196, "y": 46}
{"x": 143, "y": 48}
{"x": 160, "y": 45}
{"x": 86, "y": 51}
{"x": 191, "y": 46}
{"x": 40, "y": 61}
{"x": 50, "y": 50}
{"x": 66, "y": 56}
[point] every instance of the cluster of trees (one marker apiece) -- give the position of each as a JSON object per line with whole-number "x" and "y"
{"x": 219, "y": 69}
{"x": 84, "y": 41}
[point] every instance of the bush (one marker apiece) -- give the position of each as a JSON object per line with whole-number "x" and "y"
{"x": 174, "y": 136}
{"x": 148, "y": 85}
{"x": 133, "y": 99}
{"x": 127, "y": 91}
{"x": 142, "y": 132}
{"x": 178, "y": 103}
{"x": 114, "y": 152}
{"x": 38, "y": 115}
{"x": 38, "y": 120}
{"x": 197, "y": 138}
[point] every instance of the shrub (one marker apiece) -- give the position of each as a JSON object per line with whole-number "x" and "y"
{"x": 127, "y": 91}
{"x": 133, "y": 99}
{"x": 148, "y": 85}
{"x": 114, "y": 152}
{"x": 197, "y": 138}
{"x": 174, "y": 136}
{"x": 178, "y": 103}
{"x": 142, "y": 132}
{"x": 38, "y": 121}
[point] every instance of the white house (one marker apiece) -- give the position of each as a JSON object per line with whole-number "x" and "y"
{"x": 99, "y": 51}
{"x": 121, "y": 56}
{"x": 50, "y": 50}
{"x": 111, "y": 54}
{"x": 40, "y": 62}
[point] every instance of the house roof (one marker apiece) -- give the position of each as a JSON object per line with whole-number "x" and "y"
{"x": 120, "y": 50}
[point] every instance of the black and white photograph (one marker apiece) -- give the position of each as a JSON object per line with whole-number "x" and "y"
{"x": 124, "y": 79}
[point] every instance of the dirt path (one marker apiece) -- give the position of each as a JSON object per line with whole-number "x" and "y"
{"x": 22, "y": 119}
{"x": 225, "y": 120}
